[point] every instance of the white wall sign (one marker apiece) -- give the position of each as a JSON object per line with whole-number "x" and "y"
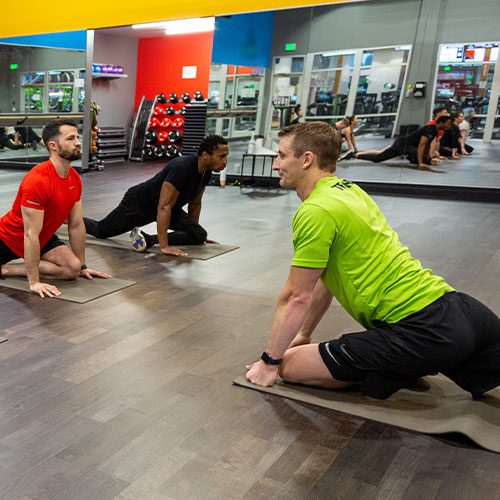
{"x": 189, "y": 72}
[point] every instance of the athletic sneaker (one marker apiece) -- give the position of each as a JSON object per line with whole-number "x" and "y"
{"x": 151, "y": 239}
{"x": 137, "y": 240}
{"x": 346, "y": 156}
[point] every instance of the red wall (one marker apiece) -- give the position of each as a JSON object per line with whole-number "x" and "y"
{"x": 160, "y": 62}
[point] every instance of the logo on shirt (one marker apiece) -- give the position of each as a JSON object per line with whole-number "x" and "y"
{"x": 33, "y": 202}
{"x": 72, "y": 187}
{"x": 342, "y": 184}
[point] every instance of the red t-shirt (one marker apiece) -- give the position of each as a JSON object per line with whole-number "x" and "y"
{"x": 41, "y": 189}
{"x": 439, "y": 132}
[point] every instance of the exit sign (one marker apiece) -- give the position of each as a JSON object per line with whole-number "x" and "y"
{"x": 290, "y": 47}
{"x": 14, "y": 66}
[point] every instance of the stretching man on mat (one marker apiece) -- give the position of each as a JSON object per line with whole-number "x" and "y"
{"x": 414, "y": 146}
{"x": 49, "y": 195}
{"x": 416, "y": 324}
{"x": 161, "y": 199}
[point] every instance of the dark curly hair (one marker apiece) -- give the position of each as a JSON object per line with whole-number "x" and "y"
{"x": 210, "y": 143}
{"x": 52, "y": 129}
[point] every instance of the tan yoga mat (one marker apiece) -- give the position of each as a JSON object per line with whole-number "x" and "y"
{"x": 80, "y": 290}
{"x": 200, "y": 252}
{"x": 441, "y": 409}
{"x": 3, "y": 339}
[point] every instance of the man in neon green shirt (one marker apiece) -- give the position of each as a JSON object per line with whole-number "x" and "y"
{"x": 416, "y": 324}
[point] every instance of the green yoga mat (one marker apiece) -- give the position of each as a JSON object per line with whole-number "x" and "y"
{"x": 80, "y": 290}
{"x": 441, "y": 409}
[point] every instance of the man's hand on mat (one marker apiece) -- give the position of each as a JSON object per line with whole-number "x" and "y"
{"x": 300, "y": 339}
{"x": 44, "y": 289}
{"x": 90, "y": 273}
{"x": 261, "y": 374}
{"x": 173, "y": 251}
{"x": 211, "y": 241}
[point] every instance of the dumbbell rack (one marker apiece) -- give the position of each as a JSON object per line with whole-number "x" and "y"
{"x": 111, "y": 145}
{"x": 194, "y": 126}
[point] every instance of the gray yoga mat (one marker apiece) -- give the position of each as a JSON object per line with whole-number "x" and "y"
{"x": 443, "y": 408}
{"x": 80, "y": 290}
{"x": 200, "y": 252}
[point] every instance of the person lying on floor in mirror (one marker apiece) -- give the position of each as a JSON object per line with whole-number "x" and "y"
{"x": 415, "y": 323}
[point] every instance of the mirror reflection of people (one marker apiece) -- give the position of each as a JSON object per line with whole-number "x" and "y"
{"x": 464, "y": 126}
{"x": 162, "y": 198}
{"x": 414, "y": 146}
{"x": 10, "y": 141}
{"x": 415, "y": 324}
{"x": 298, "y": 113}
{"x": 49, "y": 195}
{"x": 435, "y": 144}
{"x": 348, "y": 138}
{"x": 29, "y": 137}
{"x": 450, "y": 140}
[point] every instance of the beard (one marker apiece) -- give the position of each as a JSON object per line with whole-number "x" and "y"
{"x": 69, "y": 155}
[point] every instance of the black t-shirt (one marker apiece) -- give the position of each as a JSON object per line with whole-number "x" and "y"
{"x": 413, "y": 139}
{"x": 450, "y": 137}
{"x": 183, "y": 174}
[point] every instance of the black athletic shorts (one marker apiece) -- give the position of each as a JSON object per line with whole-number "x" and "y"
{"x": 6, "y": 254}
{"x": 456, "y": 335}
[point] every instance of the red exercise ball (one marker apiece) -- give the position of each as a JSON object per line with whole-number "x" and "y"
{"x": 166, "y": 122}
{"x": 154, "y": 122}
{"x": 158, "y": 110}
{"x": 178, "y": 122}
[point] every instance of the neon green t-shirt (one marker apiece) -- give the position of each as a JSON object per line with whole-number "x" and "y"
{"x": 340, "y": 228}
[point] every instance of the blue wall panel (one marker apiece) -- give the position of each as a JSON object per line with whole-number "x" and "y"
{"x": 76, "y": 40}
{"x": 244, "y": 39}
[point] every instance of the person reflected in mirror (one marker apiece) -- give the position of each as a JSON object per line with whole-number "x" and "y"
{"x": 298, "y": 113}
{"x": 10, "y": 141}
{"x": 414, "y": 146}
{"x": 465, "y": 126}
{"x": 434, "y": 147}
{"x": 348, "y": 138}
{"x": 449, "y": 143}
{"x": 29, "y": 137}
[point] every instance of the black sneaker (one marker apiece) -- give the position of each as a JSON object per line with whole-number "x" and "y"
{"x": 151, "y": 239}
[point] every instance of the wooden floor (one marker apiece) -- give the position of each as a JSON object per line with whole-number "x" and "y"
{"x": 130, "y": 396}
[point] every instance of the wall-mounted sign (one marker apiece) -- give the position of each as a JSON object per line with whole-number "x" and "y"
{"x": 189, "y": 72}
{"x": 290, "y": 47}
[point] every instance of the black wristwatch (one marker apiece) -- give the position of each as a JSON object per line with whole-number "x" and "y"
{"x": 269, "y": 360}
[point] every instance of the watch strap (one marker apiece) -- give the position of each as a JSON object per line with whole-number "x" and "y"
{"x": 269, "y": 360}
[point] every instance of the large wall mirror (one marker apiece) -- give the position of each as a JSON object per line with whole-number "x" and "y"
{"x": 347, "y": 60}
{"x": 36, "y": 84}
{"x": 388, "y": 63}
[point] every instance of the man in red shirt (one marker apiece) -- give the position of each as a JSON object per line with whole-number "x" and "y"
{"x": 435, "y": 144}
{"x": 49, "y": 195}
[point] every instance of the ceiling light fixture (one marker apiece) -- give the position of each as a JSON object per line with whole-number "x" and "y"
{"x": 149, "y": 26}
{"x": 183, "y": 26}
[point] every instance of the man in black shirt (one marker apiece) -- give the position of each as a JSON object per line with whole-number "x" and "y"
{"x": 161, "y": 199}
{"x": 414, "y": 146}
{"x": 449, "y": 143}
